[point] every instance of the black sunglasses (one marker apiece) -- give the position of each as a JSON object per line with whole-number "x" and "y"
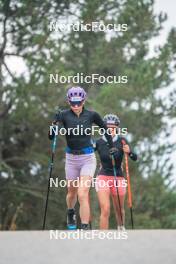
{"x": 78, "y": 103}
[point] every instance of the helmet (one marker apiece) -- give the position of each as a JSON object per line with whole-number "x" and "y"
{"x": 111, "y": 119}
{"x": 76, "y": 94}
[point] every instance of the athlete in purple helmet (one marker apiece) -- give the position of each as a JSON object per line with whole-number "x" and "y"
{"x": 80, "y": 162}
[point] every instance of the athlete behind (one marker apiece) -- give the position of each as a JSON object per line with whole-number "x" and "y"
{"x": 105, "y": 183}
{"x": 80, "y": 157}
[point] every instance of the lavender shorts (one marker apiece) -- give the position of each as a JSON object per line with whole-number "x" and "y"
{"x": 80, "y": 165}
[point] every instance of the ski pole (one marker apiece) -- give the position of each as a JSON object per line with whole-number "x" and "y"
{"x": 115, "y": 175}
{"x": 129, "y": 187}
{"x": 50, "y": 173}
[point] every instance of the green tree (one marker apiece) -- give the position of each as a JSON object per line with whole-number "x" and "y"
{"x": 29, "y": 102}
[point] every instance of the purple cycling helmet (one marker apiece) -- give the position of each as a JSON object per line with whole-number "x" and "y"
{"x": 76, "y": 94}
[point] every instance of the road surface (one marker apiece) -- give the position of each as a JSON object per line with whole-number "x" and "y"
{"x": 44, "y": 247}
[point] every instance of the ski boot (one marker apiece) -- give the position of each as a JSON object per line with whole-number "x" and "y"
{"x": 71, "y": 219}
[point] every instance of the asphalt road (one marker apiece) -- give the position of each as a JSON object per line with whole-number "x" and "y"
{"x": 44, "y": 247}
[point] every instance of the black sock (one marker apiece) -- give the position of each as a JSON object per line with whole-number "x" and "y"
{"x": 71, "y": 211}
{"x": 84, "y": 226}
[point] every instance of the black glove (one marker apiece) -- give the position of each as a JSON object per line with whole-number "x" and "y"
{"x": 54, "y": 123}
{"x": 113, "y": 151}
{"x": 51, "y": 136}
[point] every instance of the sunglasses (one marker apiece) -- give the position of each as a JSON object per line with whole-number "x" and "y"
{"x": 111, "y": 126}
{"x": 76, "y": 103}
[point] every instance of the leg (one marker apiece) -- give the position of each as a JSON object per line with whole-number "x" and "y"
{"x": 104, "y": 201}
{"x": 71, "y": 201}
{"x": 72, "y": 174}
{"x": 83, "y": 197}
{"x": 86, "y": 174}
{"x": 71, "y": 197}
